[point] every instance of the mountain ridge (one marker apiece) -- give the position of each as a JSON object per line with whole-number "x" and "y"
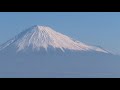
{"x": 44, "y": 36}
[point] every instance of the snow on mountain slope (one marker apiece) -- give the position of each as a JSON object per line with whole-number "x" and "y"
{"x": 42, "y": 37}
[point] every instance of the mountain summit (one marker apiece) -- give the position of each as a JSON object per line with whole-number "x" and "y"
{"x": 38, "y": 37}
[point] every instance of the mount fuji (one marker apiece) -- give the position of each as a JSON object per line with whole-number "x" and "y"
{"x": 38, "y": 37}
{"x": 40, "y": 51}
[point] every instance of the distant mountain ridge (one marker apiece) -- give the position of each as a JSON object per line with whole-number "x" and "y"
{"x": 43, "y": 37}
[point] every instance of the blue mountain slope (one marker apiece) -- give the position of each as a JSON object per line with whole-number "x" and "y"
{"x": 58, "y": 64}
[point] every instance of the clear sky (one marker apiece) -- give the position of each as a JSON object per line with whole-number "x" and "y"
{"x": 94, "y": 28}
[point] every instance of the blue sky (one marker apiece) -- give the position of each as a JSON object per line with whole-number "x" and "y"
{"x": 94, "y": 28}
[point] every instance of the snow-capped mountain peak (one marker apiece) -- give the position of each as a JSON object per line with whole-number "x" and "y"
{"x": 43, "y": 37}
